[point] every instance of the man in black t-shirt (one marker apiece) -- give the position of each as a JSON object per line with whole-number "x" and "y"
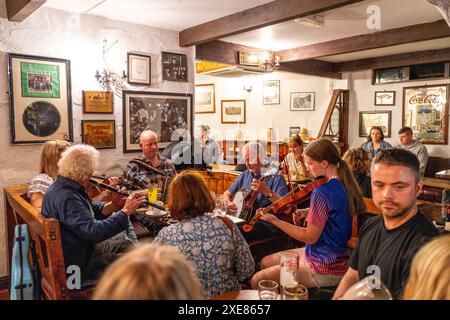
{"x": 387, "y": 243}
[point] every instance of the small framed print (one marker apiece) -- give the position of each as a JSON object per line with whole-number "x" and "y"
{"x": 294, "y": 131}
{"x": 384, "y": 98}
{"x": 369, "y": 119}
{"x": 271, "y": 92}
{"x": 98, "y": 102}
{"x": 249, "y": 58}
{"x": 139, "y": 69}
{"x": 302, "y": 101}
{"x": 205, "y": 98}
{"x": 174, "y": 66}
{"x": 101, "y": 134}
{"x": 233, "y": 111}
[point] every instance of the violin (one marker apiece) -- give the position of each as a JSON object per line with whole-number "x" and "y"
{"x": 286, "y": 202}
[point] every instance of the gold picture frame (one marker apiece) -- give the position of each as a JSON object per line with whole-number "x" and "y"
{"x": 101, "y": 134}
{"x": 98, "y": 102}
{"x": 205, "y": 98}
{"x": 233, "y": 111}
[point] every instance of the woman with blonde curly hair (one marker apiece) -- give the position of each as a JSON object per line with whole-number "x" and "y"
{"x": 359, "y": 163}
{"x": 48, "y": 170}
{"x": 150, "y": 272}
{"x": 429, "y": 278}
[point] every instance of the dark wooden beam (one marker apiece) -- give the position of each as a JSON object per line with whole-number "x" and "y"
{"x": 224, "y": 52}
{"x": 395, "y": 60}
{"x": 380, "y": 39}
{"x": 19, "y": 10}
{"x": 258, "y": 17}
{"x": 311, "y": 67}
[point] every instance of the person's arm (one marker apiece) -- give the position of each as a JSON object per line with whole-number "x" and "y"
{"x": 350, "y": 278}
{"x": 36, "y": 199}
{"x": 423, "y": 159}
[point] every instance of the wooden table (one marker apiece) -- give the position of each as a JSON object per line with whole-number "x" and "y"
{"x": 435, "y": 183}
{"x": 238, "y": 295}
{"x": 444, "y": 174}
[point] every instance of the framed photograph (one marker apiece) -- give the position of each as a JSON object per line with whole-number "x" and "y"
{"x": 303, "y": 101}
{"x": 384, "y": 98}
{"x": 369, "y": 119}
{"x": 233, "y": 111}
{"x": 271, "y": 92}
{"x": 205, "y": 98}
{"x": 425, "y": 109}
{"x": 174, "y": 66}
{"x": 168, "y": 114}
{"x": 98, "y": 102}
{"x": 294, "y": 131}
{"x": 101, "y": 134}
{"x": 139, "y": 68}
{"x": 40, "y": 99}
{"x": 249, "y": 58}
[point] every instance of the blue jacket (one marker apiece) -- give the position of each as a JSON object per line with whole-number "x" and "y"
{"x": 368, "y": 146}
{"x": 81, "y": 228}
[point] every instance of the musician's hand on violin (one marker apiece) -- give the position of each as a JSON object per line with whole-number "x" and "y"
{"x": 266, "y": 216}
{"x": 133, "y": 201}
{"x": 299, "y": 214}
{"x": 114, "y": 181}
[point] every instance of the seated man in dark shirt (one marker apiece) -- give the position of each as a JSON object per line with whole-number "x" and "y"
{"x": 387, "y": 243}
{"x": 84, "y": 224}
{"x": 268, "y": 190}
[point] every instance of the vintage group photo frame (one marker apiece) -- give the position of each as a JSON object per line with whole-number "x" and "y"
{"x": 233, "y": 111}
{"x": 98, "y": 102}
{"x": 139, "y": 68}
{"x": 426, "y": 111}
{"x": 101, "y": 134}
{"x": 369, "y": 119}
{"x": 174, "y": 66}
{"x": 205, "y": 98}
{"x": 168, "y": 114}
{"x": 384, "y": 98}
{"x": 271, "y": 92}
{"x": 303, "y": 101}
{"x": 40, "y": 99}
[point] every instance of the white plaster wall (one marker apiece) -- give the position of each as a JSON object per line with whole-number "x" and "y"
{"x": 362, "y": 99}
{"x": 78, "y": 38}
{"x": 259, "y": 117}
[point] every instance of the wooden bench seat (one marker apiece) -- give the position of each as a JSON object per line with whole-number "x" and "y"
{"x": 45, "y": 232}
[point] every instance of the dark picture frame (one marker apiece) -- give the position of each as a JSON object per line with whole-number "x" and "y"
{"x": 384, "y": 98}
{"x": 369, "y": 119}
{"x": 271, "y": 92}
{"x": 294, "y": 131}
{"x": 139, "y": 68}
{"x": 168, "y": 114}
{"x": 303, "y": 101}
{"x": 101, "y": 134}
{"x": 233, "y": 111}
{"x": 98, "y": 102}
{"x": 426, "y": 110}
{"x": 174, "y": 66}
{"x": 40, "y": 99}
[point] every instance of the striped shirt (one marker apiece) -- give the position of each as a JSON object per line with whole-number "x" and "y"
{"x": 329, "y": 212}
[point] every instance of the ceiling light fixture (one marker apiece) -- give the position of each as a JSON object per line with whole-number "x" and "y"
{"x": 108, "y": 79}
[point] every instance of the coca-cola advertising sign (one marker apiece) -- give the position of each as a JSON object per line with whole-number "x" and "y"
{"x": 425, "y": 110}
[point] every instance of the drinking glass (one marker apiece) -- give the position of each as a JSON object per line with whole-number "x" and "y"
{"x": 295, "y": 291}
{"x": 369, "y": 288}
{"x": 289, "y": 268}
{"x": 267, "y": 290}
{"x": 221, "y": 205}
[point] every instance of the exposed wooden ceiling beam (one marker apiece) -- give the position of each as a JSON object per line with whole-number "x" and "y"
{"x": 380, "y": 39}
{"x": 312, "y": 67}
{"x": 19, "y": 10}
{"x": 396, "y": 60}
{"x": 264, "y": 15}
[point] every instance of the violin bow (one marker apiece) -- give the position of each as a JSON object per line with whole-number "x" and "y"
{"x": 286, "y": 167}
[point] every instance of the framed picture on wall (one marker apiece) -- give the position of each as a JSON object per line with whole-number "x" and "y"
{"x": 98, "y": 102}
{"x": 233, "y": 111}
{"x": 302, "y": 101}
{"x": 294, "y": 131}
{"x": 205, "y": 98}
{"x": 101, "y": 134}
{"x": 369, "y": 119}
{"x": 40, "y": 99}
{"x": 271, "y": 92}
{"x": 174, "y": 66}
{"x": 167, "y": 114}
{"x": 384, "y": 98}
{"x": 139, "y": 68}
{"x": 425, "y": 109}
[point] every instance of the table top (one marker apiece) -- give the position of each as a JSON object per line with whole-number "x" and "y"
{"x": 238, "y": 295}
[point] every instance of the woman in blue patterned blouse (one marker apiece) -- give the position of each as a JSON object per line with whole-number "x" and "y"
{"x": 375, "y": 142}
{"x": 220, "y": 255}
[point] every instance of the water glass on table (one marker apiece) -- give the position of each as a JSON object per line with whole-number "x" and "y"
{"x": 267, "y": 290}
{"x": 294, "y": 291}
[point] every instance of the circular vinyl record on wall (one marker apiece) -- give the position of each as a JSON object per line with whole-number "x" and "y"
{"x": 41, "y": 118}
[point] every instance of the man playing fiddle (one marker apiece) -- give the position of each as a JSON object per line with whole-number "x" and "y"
{"x": 267, "y": 191}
